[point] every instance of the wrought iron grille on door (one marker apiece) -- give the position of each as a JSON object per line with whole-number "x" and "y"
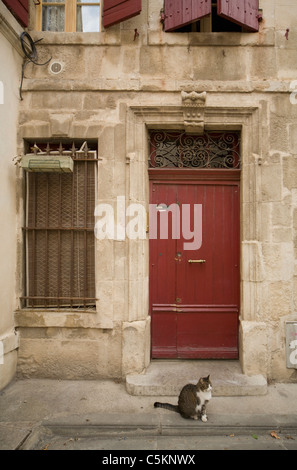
{"x": 59, "y": 235}
{"x": 170, "y": 149}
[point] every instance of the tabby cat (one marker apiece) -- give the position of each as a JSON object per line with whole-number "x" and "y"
{"x": 192, "y": 400}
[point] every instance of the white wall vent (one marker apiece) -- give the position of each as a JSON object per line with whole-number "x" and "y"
{"x": 56, "y": 67}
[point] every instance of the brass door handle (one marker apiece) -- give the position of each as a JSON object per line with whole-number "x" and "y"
{"x": 197, "y": 261}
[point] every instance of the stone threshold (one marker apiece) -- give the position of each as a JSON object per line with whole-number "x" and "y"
{"x": 167, "y": 377}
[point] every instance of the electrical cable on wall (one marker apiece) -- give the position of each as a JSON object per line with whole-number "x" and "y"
{"x": 30, "y": 51}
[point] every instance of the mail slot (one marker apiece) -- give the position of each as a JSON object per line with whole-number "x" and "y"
{"x": 291, "y": 344}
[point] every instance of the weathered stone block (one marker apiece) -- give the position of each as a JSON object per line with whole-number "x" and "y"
{"x": 60, "y": 124}
{"x": 223, "y": 60}
{"x": 281, "y": 214}
{"x": 271, "y": 182}
{"x": 253, "y": 268}
{"x": 281, "y": 234}
{"x": 290, "y": 171}
{"x": 70, "y": 354}
{"x": 253, "y": 344}
{"x": 276, "y": 300}
{"x": 262, "y": 63}
{"x": 136, "y": 340}
{"x": 35, "y": 129}
{"x": 278, "y": 261}
{"x": 250, "y": 299}
{"x": 57, "y": 100}
{"x": 293, "y": 137}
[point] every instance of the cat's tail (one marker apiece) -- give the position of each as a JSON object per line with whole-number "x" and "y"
{"x": 167, "y": 406}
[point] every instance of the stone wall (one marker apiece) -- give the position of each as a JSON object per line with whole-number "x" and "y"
{"x": 113, "y": 87}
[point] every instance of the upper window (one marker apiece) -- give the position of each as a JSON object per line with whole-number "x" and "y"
{"x": 83, "y": 15}
{"x": 178, "y": 15}
{"x": 208, "y": 15}
{"x": 69, "y": 15}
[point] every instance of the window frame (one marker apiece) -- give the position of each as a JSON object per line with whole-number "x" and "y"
{"x": 179, "y": 14}
{"x": 73, "y": 218}
{"x": 206, "y": 23}
{"x": 70, "y": 14}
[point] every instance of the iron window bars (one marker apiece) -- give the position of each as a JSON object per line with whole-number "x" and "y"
{"x": 59, "y": 233}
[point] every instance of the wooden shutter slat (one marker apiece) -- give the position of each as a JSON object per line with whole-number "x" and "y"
{"x": 242, "y": 12}
{"x": 19, "y": 8}
{"x": 116, "y": 11}
{"x": 25, "y": 4}
{"x": 179, "y": 13}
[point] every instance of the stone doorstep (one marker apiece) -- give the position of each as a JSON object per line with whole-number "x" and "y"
{"x": 167, "y": 377}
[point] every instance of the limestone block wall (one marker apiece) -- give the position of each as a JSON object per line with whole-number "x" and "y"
{"x": 113, "y": 88}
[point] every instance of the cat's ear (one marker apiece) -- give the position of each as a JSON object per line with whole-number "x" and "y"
{"x": 208, "y": 377}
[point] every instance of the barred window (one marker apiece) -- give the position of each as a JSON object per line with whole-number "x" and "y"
{"x": 59, "y": 235}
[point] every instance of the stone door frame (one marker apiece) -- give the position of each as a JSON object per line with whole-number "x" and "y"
{"x": 249, "y": 120}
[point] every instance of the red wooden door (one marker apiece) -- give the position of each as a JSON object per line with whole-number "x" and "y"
{"x": 194, "y": 289}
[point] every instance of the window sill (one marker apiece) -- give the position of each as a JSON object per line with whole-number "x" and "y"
{"x": 264, "y": 38}
{"x": 111, "y": 38}
{"x": 116, "y": 37}
{"x": 54, "y": 318}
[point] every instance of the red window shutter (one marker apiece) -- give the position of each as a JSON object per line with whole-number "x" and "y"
{"x": 242, "y": 12}
{"x": 178, "y": 13}
{"x": 115, "y": 11}
{"x": 20, "y": 9}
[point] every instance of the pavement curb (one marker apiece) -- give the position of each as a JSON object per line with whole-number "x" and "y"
{"x": 144, "y": 426}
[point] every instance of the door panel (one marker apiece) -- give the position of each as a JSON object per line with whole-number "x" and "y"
{"x": 195, "y": 305}
{"x": 162, "y": 257}
{"x": 164, "y": 332}
{"x": 200, "y": 333}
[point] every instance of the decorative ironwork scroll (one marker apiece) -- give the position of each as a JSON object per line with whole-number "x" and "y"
{"x": 180, "y": 150}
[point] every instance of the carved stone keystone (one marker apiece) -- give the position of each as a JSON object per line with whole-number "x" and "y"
{"x": 193, "y": 110}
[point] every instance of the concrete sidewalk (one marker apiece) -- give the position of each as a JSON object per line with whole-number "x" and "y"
{"x": 60, "y": 414}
